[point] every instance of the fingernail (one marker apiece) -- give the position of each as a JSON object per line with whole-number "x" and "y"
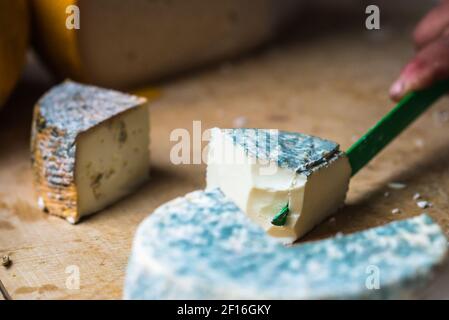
{"x": 397, "y": 89}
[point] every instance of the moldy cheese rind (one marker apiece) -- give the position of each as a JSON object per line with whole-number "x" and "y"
{"x": 71, "y": 116}
{"x": 291, "y": 150}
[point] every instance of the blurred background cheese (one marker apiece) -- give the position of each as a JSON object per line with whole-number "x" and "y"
{"x": 13, "y": 43}
{"x": 119, "y": 45}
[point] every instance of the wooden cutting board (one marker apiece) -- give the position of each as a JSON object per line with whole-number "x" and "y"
{"x": 326, "y": 85}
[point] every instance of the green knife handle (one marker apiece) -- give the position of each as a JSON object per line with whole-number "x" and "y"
{"x": 392, "y": 124}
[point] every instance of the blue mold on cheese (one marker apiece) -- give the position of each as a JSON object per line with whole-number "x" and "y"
{"x": 202, "y": 246}
{"x": 292, "y": 150}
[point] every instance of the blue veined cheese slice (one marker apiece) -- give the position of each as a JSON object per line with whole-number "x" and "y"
{"x": 89, "y": 147}
{"x": 262, "y": 170}
{"x": 202, "y": 246}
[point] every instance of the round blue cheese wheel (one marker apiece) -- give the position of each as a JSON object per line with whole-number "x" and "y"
{"x": 202, "y": 246}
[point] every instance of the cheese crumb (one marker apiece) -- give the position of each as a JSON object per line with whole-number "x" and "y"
{"x": 6, "y": 261}
{"x": 71, "y": 220}
{"x": 40, "y": 203}
{"x": 441, "y": 116}
{"x": 419, "y": 143}
{"x": 239, "y": 122}
{"x": 423, "y": 204}
{"x": 397, "y": 185}
{"x": 416, "y": 196}
{"x": 396, "y": 211}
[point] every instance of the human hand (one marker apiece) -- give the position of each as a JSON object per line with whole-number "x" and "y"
{"x": 431, "y": 62}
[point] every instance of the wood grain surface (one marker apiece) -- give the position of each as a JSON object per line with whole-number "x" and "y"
{"x": 330, "y": 84}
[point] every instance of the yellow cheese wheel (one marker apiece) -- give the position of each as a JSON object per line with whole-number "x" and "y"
{"x": 124, "y": 44}
{"x": 54, "y": 41}
{"x": 13, "y": 43}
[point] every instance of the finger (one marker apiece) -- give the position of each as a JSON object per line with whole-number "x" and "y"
{"x": 429, "y": 65}
{"x": 432, "y": 25}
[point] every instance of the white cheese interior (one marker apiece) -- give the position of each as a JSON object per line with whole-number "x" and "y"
{"x": 261, "y": 192}
{"x": 112, "y": 159}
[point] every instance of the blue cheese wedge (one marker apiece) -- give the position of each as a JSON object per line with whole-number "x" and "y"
{"x": 202, "y": 246}
{"x": 263, "y": 170}
{"x": 89, "y": 146}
